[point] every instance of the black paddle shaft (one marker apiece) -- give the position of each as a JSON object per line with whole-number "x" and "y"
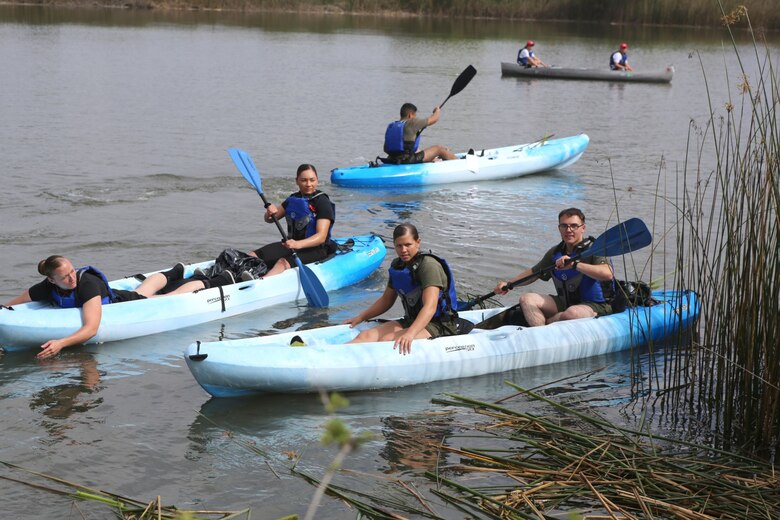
{"x": 276, "y": 220}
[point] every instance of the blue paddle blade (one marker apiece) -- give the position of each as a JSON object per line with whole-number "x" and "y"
{"x": 620, "y": 239}
{"x": 315, "y": 293}
{"x": 247, "y": 167}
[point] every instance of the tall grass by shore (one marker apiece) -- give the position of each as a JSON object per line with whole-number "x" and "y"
{"x": 660, "y": 12}
{"x": 729, "y": 253}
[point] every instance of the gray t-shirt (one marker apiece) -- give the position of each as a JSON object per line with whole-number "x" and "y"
{"x": 413, "y": 126}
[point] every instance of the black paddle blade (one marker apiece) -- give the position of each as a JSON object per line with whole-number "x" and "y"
{"x": 460, "y": 83}
{"x": 464, "y": 79}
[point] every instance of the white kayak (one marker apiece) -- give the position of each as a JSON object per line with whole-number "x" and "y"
{"x": 31, "y": 324}
{"x": 270, "y": 364}
{"x": 482, "y": 165}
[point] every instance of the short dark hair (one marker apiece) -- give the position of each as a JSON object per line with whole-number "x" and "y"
{"x": 406, "y": 109}
{"x": 305, "y": 166}
{"x": 572, "y": 212}
{"x": 405, "y": 229}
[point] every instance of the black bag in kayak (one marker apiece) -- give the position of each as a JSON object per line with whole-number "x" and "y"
{"x": 237, "y": 262}
{"x": 632, "y": 294}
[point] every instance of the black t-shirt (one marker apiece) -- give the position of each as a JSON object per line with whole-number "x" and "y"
{"x": 88, "y": 286}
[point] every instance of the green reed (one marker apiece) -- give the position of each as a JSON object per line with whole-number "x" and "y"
{"x": 655, "y": 12}
{"x": 729, "y": 253}
{"x": 123, "y": 507}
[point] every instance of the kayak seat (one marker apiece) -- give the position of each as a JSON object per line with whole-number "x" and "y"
{"x": 339, "y": 248}
{"x": 379, "y": 161}
{"x": 345, "y": 247}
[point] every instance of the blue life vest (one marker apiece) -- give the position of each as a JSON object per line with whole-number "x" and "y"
{"x": 394, "y": 140}
{"x": 573, "y": 286}
{"x": 69, "y": 301}
{"x": 623, "y": 60}
{"x": 404, "y": 279}
{"x": 301, "y": 218}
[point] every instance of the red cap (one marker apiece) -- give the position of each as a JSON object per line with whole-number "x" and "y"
{"x": 529, "y": 43}
{"x": 624, "y": 45}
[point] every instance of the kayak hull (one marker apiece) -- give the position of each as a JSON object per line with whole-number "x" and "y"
{"x": 515, "y": 70}
{"x": 32, "y": 324}
{"x": 482, "y": 165}
{"x": 270, "y": 365}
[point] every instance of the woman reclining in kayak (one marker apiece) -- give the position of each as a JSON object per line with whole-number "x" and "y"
{"x": 88, "y": 289}
{"x": 310, "y": 217}
{"x": 427, "y": 290}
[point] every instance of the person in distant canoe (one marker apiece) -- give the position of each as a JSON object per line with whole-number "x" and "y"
{"x": 310, "y": 216}
{"x": 402, "y": 138}
{"x": 87, "y": 288}
{"x": 526, "y": 57}
{"x": 426, "y": 287}
{"x": 584, "y": 286}
{"x": 619, "y": 59}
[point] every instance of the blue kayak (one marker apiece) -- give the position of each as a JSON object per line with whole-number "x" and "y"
{"x": 482, "y": 165}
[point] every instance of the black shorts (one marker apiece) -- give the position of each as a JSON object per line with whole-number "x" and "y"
{"x": 410, "y": 158}
{"x": 272, "y": 252}
{"x": 126, "y": 296}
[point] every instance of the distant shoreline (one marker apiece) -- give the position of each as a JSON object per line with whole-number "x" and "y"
{"x": 666, "y": 13}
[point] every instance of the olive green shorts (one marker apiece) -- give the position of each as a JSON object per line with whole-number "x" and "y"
{"x": 436, "y": 328}
{"x": 600, "y": 308}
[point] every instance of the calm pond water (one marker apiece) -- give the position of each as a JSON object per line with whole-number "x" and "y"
{"x": 115, "y": 126}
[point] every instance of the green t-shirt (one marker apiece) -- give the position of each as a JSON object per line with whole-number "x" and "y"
{"x": 547, "y": 260}
{"x": 412, "y": 127}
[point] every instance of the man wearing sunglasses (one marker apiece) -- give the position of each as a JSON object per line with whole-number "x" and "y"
{"x": 583, "y": 285}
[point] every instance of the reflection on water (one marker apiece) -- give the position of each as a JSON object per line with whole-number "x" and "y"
{"x": 60, "y": 402}
{"x": 413, "y": 441}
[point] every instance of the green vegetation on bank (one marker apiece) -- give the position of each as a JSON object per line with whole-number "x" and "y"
{"x": 660, "y": 12}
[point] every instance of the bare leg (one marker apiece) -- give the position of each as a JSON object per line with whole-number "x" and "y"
{"x": 432, "y": 152}
{"x": 537, "y": 308}
{"x": 192, "y": 286}
{"x": 380, "y": 333}
{"x": 572, "y": 313}
{"x": 279, "y": 267}
{"x": 152, "y": 285}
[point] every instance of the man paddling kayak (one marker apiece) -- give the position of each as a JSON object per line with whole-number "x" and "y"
{"x": 402, "y": 138}
{"x": 584, "y": 286}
